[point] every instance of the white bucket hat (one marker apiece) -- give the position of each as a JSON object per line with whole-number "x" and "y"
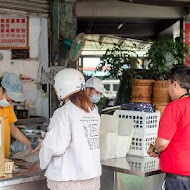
{"x": 13, "y": 86}
{"x": 95, "y": 83}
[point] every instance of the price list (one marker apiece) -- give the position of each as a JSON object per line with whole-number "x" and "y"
{"x": 13, "y": 32}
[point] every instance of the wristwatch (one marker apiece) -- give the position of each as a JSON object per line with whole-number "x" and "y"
{"x": 155, "y": 151}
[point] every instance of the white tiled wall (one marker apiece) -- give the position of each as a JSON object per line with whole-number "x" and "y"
{"x": 38, "y": 42}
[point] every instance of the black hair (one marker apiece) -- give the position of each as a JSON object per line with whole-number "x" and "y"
{"x": 0, "y": 81}
{"x": 1, "y": 85}
{"x": 181, "y": 74}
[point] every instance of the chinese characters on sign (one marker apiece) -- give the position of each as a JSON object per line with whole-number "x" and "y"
{"x": 13, "y": 32}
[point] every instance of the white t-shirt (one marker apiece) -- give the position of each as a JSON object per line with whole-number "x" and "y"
{"x": 70, "y": 150}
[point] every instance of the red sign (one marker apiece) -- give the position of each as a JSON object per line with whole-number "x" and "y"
{"x": 13, "y": 32}
{"x": 187, "y": 41}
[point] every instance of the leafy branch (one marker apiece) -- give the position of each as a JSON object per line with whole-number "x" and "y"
{"x": 165, "y": 54}
{"x": 118, "y": 59}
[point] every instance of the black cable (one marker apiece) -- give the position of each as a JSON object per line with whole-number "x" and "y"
{"x": 92, "y": 21}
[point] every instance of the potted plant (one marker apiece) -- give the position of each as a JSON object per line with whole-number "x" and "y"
{"x": 162, "y": 56}
{"x": 121, "y": 61}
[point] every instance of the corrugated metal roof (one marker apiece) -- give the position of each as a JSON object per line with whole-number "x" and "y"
{"x": 34, "y": 7}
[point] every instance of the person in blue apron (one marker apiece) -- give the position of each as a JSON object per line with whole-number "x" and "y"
{"x": 173, "y": 142}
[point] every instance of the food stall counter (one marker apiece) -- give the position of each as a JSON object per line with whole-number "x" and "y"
{"x": 27, "y": 176}
{"x": 131, "y": 173}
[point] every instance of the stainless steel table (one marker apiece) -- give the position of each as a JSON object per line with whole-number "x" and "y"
{"x": 28, "y": 177}
{"x": 131, "y": 173}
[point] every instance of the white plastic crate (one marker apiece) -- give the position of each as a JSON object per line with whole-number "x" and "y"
{"x": 144, "y": 122}
{"x": 146, "y": 164}
{"x": 140, "y": 143}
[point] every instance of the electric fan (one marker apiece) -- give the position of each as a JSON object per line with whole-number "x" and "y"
{"x": 74, "y": 49}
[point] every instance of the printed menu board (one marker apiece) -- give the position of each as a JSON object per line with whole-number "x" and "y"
{"x": 14, "y": 32}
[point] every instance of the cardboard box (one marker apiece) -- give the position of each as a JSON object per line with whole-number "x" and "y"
{"x": 2, "y": 154}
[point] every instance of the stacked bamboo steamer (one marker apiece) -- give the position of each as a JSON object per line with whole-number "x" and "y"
{"x": 150, "y": 91}
{"x": 142, "y": 90}
{"x": 161, "y": 96}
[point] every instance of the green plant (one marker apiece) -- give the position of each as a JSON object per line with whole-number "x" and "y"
{"x": 165, "y": 54}
{"x": 121, "y": 61}
{"x": 118, "y": 59}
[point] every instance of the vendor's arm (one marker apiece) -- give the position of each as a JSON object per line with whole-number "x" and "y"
{"x": 38, "y": 148}
{"x": 40, "y": 140}
{"x": 17, "y": 134}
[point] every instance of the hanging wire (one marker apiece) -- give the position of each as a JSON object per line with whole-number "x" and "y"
{"x": 90, "y": 24}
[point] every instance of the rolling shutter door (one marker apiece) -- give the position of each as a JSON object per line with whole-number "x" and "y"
{"x": 39, "y": 8}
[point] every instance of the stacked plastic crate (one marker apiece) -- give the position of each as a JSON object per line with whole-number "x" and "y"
{"x": 145, "y": 130}
{"x": 145, "y": 164}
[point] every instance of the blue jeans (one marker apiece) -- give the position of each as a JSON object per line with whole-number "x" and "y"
{"x": 171, "y": 183}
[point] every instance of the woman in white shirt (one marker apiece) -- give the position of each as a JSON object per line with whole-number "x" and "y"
{"x": 70, "y": 151}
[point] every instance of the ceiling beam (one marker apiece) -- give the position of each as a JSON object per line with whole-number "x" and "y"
{"x": 160, "y": 2}
{"x": 130, "y": 29}
{"x": 117, "y": 9}
{"x": 164, "y": 24}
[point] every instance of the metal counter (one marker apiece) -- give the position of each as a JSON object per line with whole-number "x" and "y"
{"x": 29, "y": 176}
{"x": 131, "y": 173}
